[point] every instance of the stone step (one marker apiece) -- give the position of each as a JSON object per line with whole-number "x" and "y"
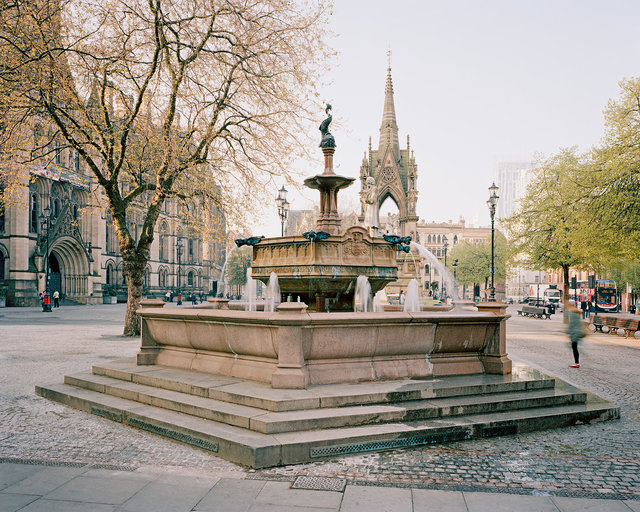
{"x": 260, "y": 450}
{"x": 262, "y": 396}
{"x": 268, "y": 422}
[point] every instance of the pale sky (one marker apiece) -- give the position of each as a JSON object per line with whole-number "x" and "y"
{"x": 474, "y": 82}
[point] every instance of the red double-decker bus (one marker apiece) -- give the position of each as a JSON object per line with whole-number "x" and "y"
{"x": 606, "y": 296}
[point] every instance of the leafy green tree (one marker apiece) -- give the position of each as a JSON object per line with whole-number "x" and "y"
{"x": 613, "y": 183}
{"x": 239, "y": 262}
{"x": 548, "y": 230}
{"x": 474, "y": 261}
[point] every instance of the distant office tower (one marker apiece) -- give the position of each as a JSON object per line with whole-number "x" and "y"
{"x": 512, "y": 177}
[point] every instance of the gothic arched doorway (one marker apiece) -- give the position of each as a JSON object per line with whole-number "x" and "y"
{"x": 69, "y": 268}
{"x": 55, "y": 280}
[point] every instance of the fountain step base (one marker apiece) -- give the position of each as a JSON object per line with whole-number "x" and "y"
{"x": 252, "y": 424}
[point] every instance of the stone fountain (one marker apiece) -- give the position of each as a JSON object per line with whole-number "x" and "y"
{"x": 272, "y": 388}
{"x": 323, "y": 272}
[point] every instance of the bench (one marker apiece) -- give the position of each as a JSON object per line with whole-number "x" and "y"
{"x": 614, "y": 323}
{"x": 534, "y": 312}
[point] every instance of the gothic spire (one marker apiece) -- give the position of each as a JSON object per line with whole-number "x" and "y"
{"x": 389, "y": 126}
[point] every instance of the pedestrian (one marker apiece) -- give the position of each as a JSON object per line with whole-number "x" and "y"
{"x": 42, "y": 296}
{"x": 168, "y": 296}
{"x": 401, "y": 298}
{"x": 56, "y": 299}
{"x": 583, "y": 307}
{"x": 575, "y": 330}
{"x": 589, "y": 306}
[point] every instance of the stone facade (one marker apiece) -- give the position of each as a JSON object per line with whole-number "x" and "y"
{"x": 83, "y": 252}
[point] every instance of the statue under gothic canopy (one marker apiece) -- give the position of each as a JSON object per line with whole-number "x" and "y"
{"x": 370, "y": 205}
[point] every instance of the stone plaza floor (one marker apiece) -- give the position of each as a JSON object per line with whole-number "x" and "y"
{"x": 596, "y": 465}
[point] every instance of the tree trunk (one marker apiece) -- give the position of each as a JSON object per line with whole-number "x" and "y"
{"x": 134, "y": 270}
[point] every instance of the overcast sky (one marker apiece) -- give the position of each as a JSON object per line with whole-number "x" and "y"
{"x": 474, "y": 82}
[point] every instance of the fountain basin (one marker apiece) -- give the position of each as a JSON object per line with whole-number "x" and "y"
{"x": 323, "y": 273}
{"x": 293, "y": 348}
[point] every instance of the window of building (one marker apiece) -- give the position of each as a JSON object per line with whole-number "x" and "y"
{"x": 190, "y": 278}
{"x": 109, "y": 277}
{"x": 33, "y": 207}
{"x": 190, "y": 250}
{"x": 1, "y": 266}
{"x": 76, "y": 162}
{"x": 58, "y": 152}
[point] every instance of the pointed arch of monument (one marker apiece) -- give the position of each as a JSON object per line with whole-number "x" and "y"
{"x": 396, "y": 195}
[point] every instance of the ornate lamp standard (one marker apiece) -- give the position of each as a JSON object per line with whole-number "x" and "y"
{"x": 445, "y": 242}
{"x": 179, "y": 255}
{"x": 455, "y": 277}
{"x": 283, "y": 207}
{"x": 492, "y": 202}
{"x": 45, "y": 223}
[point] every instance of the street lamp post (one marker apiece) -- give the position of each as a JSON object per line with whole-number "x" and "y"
{"x": 444, "y": 284}
{"x": 45, "y": 222}
{"x": 179, "y": 255}
{"x": 455, "y": 276}
{"x": 283, "y": 207}
{"x": 492, "y": 202}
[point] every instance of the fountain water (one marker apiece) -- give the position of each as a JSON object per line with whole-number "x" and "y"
{"x": 412, "y": 299}
{"x": 447, "y": 277}
{"x": 273, "y": 293}
{"x": 379, "y": 300}
{"x": 362, "y": 298}
{"x": 224, "y": 278}
{"x": 249, "y": 295}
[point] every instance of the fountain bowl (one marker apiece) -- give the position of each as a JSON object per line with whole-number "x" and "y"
{"x": 323, "y": 273}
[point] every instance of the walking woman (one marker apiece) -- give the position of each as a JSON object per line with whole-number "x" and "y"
{"x": 575, "y": 330}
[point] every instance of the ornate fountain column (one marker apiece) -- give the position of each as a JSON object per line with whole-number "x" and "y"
{"x": 328, "y": 183}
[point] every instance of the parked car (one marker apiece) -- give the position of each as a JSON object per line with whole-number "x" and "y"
{"x": 508, "y": 300}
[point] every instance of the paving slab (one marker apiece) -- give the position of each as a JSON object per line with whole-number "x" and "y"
{"x": 10, "y": 474}
{"x": 633, "y": 505}
{"x": 15, "y": 502}
{"x": 44, "y": 481}
{"x": 261, "y": 507}
{"x": 163, "y": 497}
{"x": 381, "y": 499}
{"x": 279, "y": 493}
{"x": 496, "y": 502}
{"x": 432, "y": 500}
{"x": 589, "y": 505}
{"x": 43, "y": 505}
{"x": 231, "y": 495}
{"x": 108, "y": 491}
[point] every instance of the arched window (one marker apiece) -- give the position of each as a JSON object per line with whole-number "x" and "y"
{"x": 162, "y": 278}
{"x": 58, "y": 153}
{"x": 190, "y": 251}
{"x": 56, "y": 208}
{"x": 429, "y": 239}
{"x": 109, "y": 277}
{"x": 75, "y": 212}
{"x": 147, "y": 277}
{"x": 33, "y": 207}
{"x": 439, "y": 240}
{"x": 190, "y": 279}
{"x": 163, "y": 241}
{"x": 77, "y": 162}
{"x": 1, "y": 266}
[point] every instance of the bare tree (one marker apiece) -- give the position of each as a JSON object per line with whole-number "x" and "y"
{"x": 201, "y": 100}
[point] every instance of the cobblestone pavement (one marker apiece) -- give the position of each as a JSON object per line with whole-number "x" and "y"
{"x": 599, "y": 461}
